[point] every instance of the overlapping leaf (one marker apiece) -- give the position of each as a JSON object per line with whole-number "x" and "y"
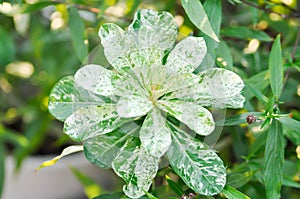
{"x": 197, "y": 165}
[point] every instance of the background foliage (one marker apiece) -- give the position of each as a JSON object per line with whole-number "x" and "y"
{"x": 42, "y": 41}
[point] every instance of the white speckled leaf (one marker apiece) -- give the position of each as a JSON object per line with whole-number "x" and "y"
{"x": 154, "y": 29}
{"x": 95, "y": 79}
{"x": 133, "y": 106}
{"x": 155, "y": 135}
{"x": 217, "y": 87}
{"x": 117, "y": 45}
{"x": 197, "y": 165}
{"x": 196, "y": 117}
{"x": 187, "y": 55}
{"x": 136, "y": 167}
{"x": 90, "y": 121}
{"x": 102, "y": 149}
{"x": 64, "y": 99}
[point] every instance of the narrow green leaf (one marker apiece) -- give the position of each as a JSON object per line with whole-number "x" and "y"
{"x": 261, "y": 97}
{"x": 259, "y": 81}
{"x": 276, "y": 68}
{"x": 237, "y": 119}
{"x": 67, "y": 151}
{"x": 198, "y": 17}
{"x": 7, "y": 47}
{"x": 274, "y": 158}
{"x": 290, "y": 183}
{"x": 213, "y": 9}
{"x": 150, "y": 196}
{"x": 245, "y": 33}
{"x": 197, "y": 165}
{"x": 224, "y": 58}
{"x": 174, "y": 186}
{"x": 237, "y": 180}
{"x": 77, "y": 33}
{"x": 290, "y": 123}
{"x": 232, "y": 193}
{"x": 91, "y": 188}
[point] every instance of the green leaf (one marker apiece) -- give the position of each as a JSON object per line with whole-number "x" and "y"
{"x": 67, "y": 151}
{"x": 155, "y": 135}
{"x": 213, "y": 9}
{"x": 237, "y": 119}
{"x": 90, "y": 121}
{"x": 198, "y": 17}
{"x": 7, "y": 48}
{"x": 237, "y": 180}
{"x": 274, "y": 158}
{"x": 290, "y": 123}
{"x": 187, "y": 55}
{"x": 91, "y": 188}
{"x": 101, "y": 150}
{"x": 77, "y": 33}
{"x": 113, "y": 195}
{"x": 136, "y": 167}
{"x": 224, "y": 58}
{"x": 261, "y": 97}
{"x": 197, "y": 165}
{"x": 259, "y": 81}
{"x": 175, "y": 186}
{"x": 290, "y": 183}
{"x": 233, "y": 193}
{"x": 64, "y": 98}
{"x": 276, "y": 68}
{"x": 196, "y": 117}
{"x": 245, "y": 33}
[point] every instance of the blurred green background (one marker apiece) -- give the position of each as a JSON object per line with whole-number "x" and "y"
{"x": 43, "y": 41}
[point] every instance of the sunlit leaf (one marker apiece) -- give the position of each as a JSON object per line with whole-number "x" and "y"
{"x": 276, "y": 68}
{"x": 155, "y": 135}
{"x": 187, "y": 55}
{"x": 133, "y": 106}
{"x": 90, "y": 121}
{"x": 197, "y": 165}
{"x": 101, "y": 150}
{"x": 217, "y": 87}
{"x": 274, "y": 158}
{"x": 193, "y": 115}
{"x": 198, "y": 16}
{"x": 136, "y": 167}
{"x": 154, "y": 29}
{"x": 67, "y": 151}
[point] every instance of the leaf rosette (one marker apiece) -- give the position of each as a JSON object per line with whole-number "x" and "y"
{"x": 127, "y": 118}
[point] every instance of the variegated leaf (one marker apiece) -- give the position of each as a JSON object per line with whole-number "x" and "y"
{"x": 136, "y": 167}
{"x": 187, "y": 55}
{"x": 196, "y": 117}
{"x": 64, "y": 99}
{"x": 90, "y": 121}
{"x": 117, "y": 45}
{"x": 217, "y": 87}
{"x": 197, "y": 165}
{"x": 95, "y": 79}
{"x": 133, "y": 106}
{"x": 102, "y": 149}
{"x": 155, "y": 135}
{"x": 153, "y": 29}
